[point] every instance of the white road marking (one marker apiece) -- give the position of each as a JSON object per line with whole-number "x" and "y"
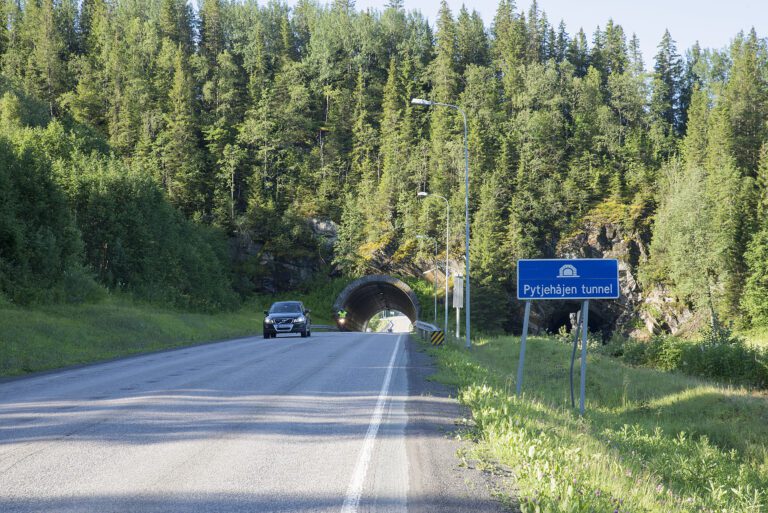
{"x": 355, "y": 488}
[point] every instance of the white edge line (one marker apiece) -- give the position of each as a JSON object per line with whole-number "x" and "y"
{"x": 355, "y": 489}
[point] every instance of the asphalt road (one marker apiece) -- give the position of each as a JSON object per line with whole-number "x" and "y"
{"x": 339, "y": 422}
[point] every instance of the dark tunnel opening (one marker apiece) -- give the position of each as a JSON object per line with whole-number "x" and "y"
{"x": 367, "y": 296}
{"x": 564, "y": 315}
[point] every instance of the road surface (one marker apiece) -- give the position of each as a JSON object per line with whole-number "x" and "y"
{"x": 338, "y": 422}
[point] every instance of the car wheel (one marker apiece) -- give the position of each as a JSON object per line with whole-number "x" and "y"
{"x": 267, "y": 335}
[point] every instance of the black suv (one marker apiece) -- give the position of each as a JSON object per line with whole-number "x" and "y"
{"x": 287, "y": 317}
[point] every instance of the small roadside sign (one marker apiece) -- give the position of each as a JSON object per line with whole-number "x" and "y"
{"x": 582, "y": 278}
{"x": 458, "y": 291}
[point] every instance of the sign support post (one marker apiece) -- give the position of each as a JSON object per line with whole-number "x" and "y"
{"x": 584, "y": 331}
{"x": 573, "y": 353}
{"x": 458, "y": 300}
{"x": 521, "y": 364}
{"x": 458, "y": 325}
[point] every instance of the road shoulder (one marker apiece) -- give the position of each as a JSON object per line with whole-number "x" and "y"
{"x": 438, "y": 482}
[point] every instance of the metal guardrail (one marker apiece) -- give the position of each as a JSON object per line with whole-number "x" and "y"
{"x": 325, "y": 327}
{"x": 430, "y": 332}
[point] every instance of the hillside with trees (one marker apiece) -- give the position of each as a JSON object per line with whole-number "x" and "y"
{"x": 143, "y": 141}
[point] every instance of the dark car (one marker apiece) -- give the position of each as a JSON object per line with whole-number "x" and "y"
{"x": 287, "y": 317}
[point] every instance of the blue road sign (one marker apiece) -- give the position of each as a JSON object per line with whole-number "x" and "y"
{"x": 588, "y": 278}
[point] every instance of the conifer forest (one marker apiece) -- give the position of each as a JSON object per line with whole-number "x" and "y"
{"x": 145, "y": 143}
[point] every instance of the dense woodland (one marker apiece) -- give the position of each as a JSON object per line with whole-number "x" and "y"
{"x": 140, "y": 137}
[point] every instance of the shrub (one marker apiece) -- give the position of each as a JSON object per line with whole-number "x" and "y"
{"x": 136, "y": 241}
{"x": 39, "y": 242}
{"x": 718, "y": 354}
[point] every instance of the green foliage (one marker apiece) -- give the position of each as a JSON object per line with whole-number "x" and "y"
{"x": 135, "y": 241}
{"x": 755, "y": 299}
{"x": 252, "y": 118}
{"x": 39, "y": 242}
{"x": 52, "y": 336}
{"x": 718, "y": 354}
{"x": 649, "y": 441}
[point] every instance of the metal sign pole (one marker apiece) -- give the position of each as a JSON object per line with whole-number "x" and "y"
{"x": 573, "y": 353}
{"x": 458, "y": 325}
{"x": 458, "y": 299}
{"x": 522, "y": 347}
{"x": 584, "y": 332}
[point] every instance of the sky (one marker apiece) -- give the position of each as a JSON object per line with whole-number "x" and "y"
{"x": 714, "y": 23}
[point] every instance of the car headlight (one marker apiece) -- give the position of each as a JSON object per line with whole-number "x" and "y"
{"x": 301, "y": 318}
{"x": 267, "y": 320}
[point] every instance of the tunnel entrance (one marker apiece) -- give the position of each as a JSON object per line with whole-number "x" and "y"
{"x": 389, "y": 321}
{"x": 563, "y": 314}
{"x": 367, "y": 296}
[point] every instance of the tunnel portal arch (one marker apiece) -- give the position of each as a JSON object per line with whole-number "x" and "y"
{"x": 367, "y": 296}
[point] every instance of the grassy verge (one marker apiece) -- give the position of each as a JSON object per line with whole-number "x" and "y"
{"x": 51, "y": 336}
{"x": 756, "y": 336}
{"x": 650, "y": 441}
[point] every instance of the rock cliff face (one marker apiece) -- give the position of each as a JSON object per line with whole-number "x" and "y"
{"x": 638, "y": 312}
{"x": 262, "y": 270}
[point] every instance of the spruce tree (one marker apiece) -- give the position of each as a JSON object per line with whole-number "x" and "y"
{"x": 47, "y": 72}
{"x": 444, "y": 80}
{"x": 746, "y": 100}
{"x": 508, "y": 47}
{"x": 578, "y": 53}
{"x": 182, "y": 170}
{"x": 471, "y": 41}
{"x": 665, "y": 110}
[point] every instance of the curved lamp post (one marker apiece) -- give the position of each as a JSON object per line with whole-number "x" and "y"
{"x": 429, "y": 103}
{"x": 423, "y": 194}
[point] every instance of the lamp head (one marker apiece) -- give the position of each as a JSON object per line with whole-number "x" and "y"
{"x": 422, "y": 194}
{"x": 421, "y": 101}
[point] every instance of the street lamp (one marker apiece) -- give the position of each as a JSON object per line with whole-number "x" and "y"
{"x": 423, "y": 194}
{"x": 429, "y": 103}
{"x": 434, "y": 280}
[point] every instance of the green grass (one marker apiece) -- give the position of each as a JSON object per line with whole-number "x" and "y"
{"x": 52, "y": 336}
{"x": 756, "y": 336}
{"x": 649, "y": 441}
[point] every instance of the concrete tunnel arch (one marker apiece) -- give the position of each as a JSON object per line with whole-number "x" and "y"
{"x": 369, "y": 295}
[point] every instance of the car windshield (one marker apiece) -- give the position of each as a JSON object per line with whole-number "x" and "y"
{"x": 285, "y": 308}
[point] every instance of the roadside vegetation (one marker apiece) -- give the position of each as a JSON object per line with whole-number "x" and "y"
{"x": 650, "y": 441}
{"x": 718, "y": 354}
{"x": 52, "y": 336}
{"x": 49, "y": 336}
{"x": 193, "y": 157}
